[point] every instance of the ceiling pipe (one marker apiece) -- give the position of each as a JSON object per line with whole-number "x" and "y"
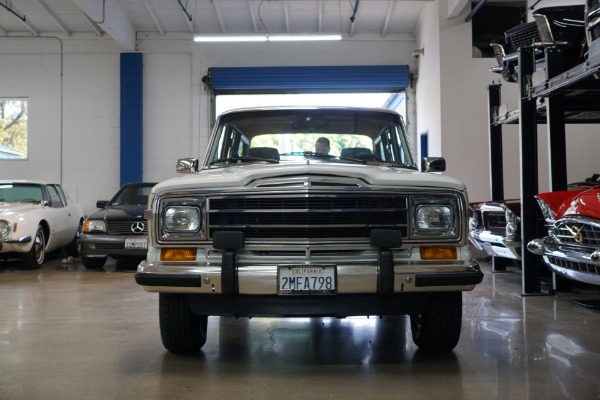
{"x": 475, "y": 10}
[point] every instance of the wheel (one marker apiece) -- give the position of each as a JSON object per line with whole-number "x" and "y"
{"x": 93, "y": 262}
{"x": 34, "y": 258}
{"x": 74, "y": 248}
{"x": 181, "y": 331}
{"x": 437, "y": 329}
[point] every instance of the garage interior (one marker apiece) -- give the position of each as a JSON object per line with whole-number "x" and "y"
{"x": 69, "y": 332}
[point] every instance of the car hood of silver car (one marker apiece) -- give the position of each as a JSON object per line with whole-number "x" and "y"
{"x": 256, "y": 175}
{"x": 12, "y": 209}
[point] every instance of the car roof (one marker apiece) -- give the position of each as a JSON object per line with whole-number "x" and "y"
{"x": 30, "y": 181}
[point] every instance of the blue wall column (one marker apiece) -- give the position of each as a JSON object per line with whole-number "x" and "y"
{"x": 132, "y": 129}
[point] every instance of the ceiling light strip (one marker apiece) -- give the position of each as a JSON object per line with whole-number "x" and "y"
{"x": 266, "y": 38}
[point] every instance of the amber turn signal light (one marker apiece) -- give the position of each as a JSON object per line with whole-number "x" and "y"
{"x": 438, "y": 253}
{"x": 178, "y": 254}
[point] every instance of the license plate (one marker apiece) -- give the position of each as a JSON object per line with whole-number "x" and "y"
{"x": 307, "y": 279}
{"x": 136, "y": 243}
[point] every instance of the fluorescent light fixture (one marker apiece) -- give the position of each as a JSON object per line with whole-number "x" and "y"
{"x": 230, "y": 38}
{"x": 300, "y": 38}
{"x": 265, "y": 38}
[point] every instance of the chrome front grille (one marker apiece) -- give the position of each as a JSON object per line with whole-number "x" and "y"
{"x": 308, "y": 216}
{"x": 125, "y": 227}
{"x": 577, "y": 233}
{"x": 574, "y": 265}
{"x": 495, "y": 221}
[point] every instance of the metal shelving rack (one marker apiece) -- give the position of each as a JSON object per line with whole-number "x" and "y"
{"x": 554, "y": 97}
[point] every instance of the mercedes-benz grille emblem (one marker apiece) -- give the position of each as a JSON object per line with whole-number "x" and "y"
{"x": 137, "y": 227}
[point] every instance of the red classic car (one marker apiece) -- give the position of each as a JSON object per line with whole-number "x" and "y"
{"x": 495, "y": 226}
{"x": 572, "y": 247}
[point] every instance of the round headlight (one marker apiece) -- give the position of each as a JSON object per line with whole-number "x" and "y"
{"x": 4, "y": 228}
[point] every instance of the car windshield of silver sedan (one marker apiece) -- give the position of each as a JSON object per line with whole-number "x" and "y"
{"x": 285, "y": 136}
{"x": 20, "y": 193}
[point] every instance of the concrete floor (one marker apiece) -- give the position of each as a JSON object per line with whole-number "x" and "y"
{"x": 71, "y": 333}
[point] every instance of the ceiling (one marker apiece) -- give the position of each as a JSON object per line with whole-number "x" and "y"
{"x": 125, "y": 20}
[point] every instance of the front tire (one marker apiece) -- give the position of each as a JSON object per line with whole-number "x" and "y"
{"x": 34, "y": 258}
{"x": 74, "y": 248}
{"x": 437, "y": 328}
{"x": 182, "y": 332}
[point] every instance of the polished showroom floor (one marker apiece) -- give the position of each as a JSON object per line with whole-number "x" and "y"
{"x": 71, "y": 333}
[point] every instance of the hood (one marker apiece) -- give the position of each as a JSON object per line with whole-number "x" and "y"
{"x": 571, "y": 203}
{"x": 10, "y": 210}
{"x": 256, "y": 174}
{"x": 125, "y": 212}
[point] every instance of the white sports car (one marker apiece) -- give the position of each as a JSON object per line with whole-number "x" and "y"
{"x": 37, "y": 218}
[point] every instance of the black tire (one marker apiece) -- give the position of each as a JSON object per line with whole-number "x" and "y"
{"x": 34, "y": 258}
{"x": 181, "y": 331}
{"x": 437, "y": 329}
{"x": 74, "y": 248}
{"x": 93, "y": 262}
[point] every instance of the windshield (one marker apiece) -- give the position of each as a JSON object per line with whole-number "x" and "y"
{"x": 135, "y": 194}
{"x": 323, "y": 135}
{"x": 13, "y": 193}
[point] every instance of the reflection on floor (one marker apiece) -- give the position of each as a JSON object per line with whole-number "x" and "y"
{"x": 67, "y": 332}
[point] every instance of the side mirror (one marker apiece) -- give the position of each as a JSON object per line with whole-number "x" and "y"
{"x": 186, "y": 165}
{"x": 433, "y": 164}
{"x": 101, "y": 203}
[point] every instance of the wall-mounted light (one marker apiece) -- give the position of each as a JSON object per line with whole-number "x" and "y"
{"x": 266, "y": 38}
{"x": 418, "y": 53}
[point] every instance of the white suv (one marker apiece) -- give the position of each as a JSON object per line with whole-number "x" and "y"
{"x": 309, "y": 212}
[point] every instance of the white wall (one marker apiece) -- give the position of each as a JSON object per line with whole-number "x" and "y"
{"x": 180, "y": 53}
{"x": 73, "y": 91}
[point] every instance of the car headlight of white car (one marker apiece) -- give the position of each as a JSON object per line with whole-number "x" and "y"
{"x": 435, "y": 217}
{"x": 5, "y": 228}
{"x": 182, "y": 218}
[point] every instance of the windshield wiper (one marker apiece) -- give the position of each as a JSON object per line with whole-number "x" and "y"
{"x": 243, "y": 159}
{"x": 308, "y": 154}
{"x": 400, "y": 165}
{"x": 374, "y": 159}
{"x": 356, "y": 160}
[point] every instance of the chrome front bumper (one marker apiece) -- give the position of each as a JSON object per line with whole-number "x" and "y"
{"x": 497, "y": 245}
{"x": 351, "y": 279}
{"x": 108, "y": 245}
{"x": 581, "y": 266}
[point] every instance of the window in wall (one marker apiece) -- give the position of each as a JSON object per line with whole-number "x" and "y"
{"x": 13, "y": 128}
{"x": 491, "y": 21}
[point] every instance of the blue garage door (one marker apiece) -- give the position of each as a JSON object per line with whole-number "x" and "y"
{"x": 373, "y": 78}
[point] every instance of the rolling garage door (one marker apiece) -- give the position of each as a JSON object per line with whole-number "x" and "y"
{"x": 373, "y": 78}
